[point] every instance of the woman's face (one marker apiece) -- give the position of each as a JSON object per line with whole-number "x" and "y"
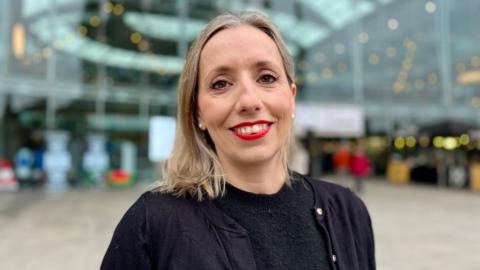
{"x": 245, "y": 101}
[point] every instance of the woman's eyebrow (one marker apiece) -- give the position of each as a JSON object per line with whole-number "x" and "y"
{"x": 219, "y": 69}
{"x": 264, "y": 63}
{"x": 227, "y": 68}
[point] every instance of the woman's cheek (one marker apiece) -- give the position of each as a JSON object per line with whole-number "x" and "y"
{"x": 283, "y": 106}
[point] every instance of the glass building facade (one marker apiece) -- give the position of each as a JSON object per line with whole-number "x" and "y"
{"x": 85, "y": 65}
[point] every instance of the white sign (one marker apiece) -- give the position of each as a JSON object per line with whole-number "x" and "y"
{"x": 161, "y": 136}
{"x": 330, "y": 120}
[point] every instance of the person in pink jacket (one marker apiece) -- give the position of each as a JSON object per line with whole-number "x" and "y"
{"x": 359, "y": 166}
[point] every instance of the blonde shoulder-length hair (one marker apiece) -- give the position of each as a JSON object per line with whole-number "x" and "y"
{"x": 193, "y": 167}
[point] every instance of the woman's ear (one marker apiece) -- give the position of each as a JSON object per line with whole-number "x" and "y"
{"x": 293, "y": 88}
{"x": 294, "y": 93}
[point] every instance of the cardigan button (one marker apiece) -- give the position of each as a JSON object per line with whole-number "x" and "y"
{"x": 334, "y": 258}
{"x": 319, "y": 211}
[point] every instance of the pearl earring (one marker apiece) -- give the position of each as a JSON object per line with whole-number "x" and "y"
{"x": 293, "y": 116}
{"x": 200, "y": 126}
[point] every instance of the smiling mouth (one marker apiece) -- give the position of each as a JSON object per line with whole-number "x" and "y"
{"x": 252, "y": 131}
{"x": 248, "y": 130}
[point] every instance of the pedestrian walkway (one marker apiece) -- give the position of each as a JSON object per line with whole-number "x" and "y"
{"x": 424, "y": 227}
{"x": 416, "y": 227}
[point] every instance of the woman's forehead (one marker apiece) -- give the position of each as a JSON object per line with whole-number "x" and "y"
{"x": 239, "y": 45}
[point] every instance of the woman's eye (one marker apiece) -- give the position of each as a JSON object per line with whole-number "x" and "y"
{"x": 219, "y": 84}
{"x": 267, "y": 78}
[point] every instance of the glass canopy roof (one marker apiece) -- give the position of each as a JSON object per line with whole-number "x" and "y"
{"x": 385, "y": 54}
{"x": 340, "y": 12}
{"x": 337, "y": 14}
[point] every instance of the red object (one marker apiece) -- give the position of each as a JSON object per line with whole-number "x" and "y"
{"x": 4, "y": 164}
{"x": 341, "y": 159}
{"x": 7, "y": 176}
{"x": 119, "y": 177}
{"x": 360, "y": 165}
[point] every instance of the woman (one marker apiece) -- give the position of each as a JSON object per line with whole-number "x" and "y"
{"x": 229, "y": 201}
{"x": 360, "y": 166}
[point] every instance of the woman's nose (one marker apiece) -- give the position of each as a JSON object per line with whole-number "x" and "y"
{"x": 248, "y": 99}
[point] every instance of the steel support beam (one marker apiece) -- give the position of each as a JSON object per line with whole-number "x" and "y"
{"x": 5, "y": 32}
{"x": 356, "y": 59}
{"x": 445, "y": 53}
{"x": 51, "y": 69}
{"x": 182, "y": 45}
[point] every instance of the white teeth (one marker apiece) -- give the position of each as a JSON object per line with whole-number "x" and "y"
{"x": 252, "y": 129}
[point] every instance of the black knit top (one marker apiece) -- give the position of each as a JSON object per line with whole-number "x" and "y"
{"x": 281, "y": 227}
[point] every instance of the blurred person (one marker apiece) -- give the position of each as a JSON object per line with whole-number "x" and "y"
{"x": 360, "y": 166}
{"x": 458, "y": 171}
{"x": 341, "y": 158}
{"x": 228, "y": 200}
{"x": 441, "y": 166}
{"x": 24, "y": 160}
{"x": 314, "y": 150}
{"x": 38, "y": 148}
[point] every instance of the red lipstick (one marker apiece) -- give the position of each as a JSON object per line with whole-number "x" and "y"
{"x": 253, "y": 136}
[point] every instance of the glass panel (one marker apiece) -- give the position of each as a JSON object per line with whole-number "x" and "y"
{"x": 465, "y": 40}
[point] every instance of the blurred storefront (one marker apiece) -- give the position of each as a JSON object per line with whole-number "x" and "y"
{"x": 392, "y": 72}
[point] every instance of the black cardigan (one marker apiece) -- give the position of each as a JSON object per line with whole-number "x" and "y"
{"x": 161, "y": 231}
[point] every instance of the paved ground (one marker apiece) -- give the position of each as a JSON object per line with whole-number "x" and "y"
{"x": 417, "y": 227}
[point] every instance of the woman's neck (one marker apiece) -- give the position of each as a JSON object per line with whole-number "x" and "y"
{"x": 256, "y": 178}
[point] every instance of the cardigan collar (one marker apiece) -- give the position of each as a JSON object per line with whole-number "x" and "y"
{"x": 221, "y": 220}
